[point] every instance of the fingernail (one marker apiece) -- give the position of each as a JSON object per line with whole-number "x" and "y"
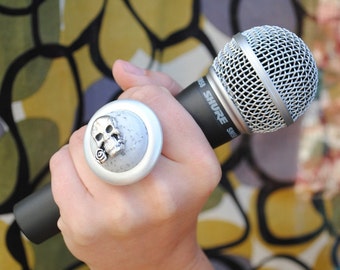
{"x": 130, "y": 68}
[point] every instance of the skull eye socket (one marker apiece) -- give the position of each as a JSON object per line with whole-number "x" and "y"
{"x": 99, "y": 136}
{"x": 109, "y": 129}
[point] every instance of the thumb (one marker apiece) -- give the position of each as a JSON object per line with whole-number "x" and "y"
{"x": 128, "y": 75}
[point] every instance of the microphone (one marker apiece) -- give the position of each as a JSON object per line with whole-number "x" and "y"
{"x": 264, "y": 79}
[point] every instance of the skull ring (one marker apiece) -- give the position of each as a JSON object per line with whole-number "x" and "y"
{"x": 107, "y": 137}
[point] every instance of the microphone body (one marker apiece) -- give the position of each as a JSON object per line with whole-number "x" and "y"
{"x": 216, "y": 118}
{"x": 37, "y": 215}
{"x": 261, "y": 81}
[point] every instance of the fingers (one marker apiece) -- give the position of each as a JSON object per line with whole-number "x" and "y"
{"x": 183, "y": 138}
{"x": 156, "y": 90}
{"x": 72, "y": 179}
{"x": 128, "y": 75}
{"x": 89, "y": 179}
{"x": 184, "y": 142}
{"x": 77, "y": 190}
{"x": 67, "y": 188}
{"x": 62, "y": 167}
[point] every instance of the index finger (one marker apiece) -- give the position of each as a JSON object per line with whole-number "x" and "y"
{"x": 128, "y": 75}
{"x": 67, "y": 187}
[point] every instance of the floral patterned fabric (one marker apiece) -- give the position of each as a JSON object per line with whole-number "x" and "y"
{"x": 276, "y": 205}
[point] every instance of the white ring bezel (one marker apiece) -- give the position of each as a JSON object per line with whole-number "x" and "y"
{"x": 153, "y": 150}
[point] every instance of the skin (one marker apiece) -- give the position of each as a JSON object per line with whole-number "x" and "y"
{"x": 150, "y": 224}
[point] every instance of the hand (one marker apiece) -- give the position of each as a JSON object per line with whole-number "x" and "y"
{"x": 150, "y": 224}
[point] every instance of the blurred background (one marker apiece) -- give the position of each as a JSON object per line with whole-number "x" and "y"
{"x": 277, "y": 205}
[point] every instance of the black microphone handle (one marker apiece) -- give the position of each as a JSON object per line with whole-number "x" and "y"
{"x": 201, "y": 100}
{"x": 37, "y": 214}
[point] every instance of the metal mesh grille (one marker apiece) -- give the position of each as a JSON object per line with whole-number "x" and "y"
{"x": 288, "y": 63}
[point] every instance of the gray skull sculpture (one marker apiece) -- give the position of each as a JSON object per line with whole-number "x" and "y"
{"x": 107, "y": 138}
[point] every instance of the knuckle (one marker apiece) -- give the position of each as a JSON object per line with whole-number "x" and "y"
{"x": 148, "y": 94}
{"x": 56, "y": 159}
{"x": 83, "y": 230}
{"x": 164, "y": 203}
{"x": 77, "y": 137}
{"x": 119, "y": 221}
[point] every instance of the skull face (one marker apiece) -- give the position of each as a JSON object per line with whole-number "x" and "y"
{"x": 107, "y": 137}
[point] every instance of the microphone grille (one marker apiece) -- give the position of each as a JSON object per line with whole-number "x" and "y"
{"x": 287, "y": 62}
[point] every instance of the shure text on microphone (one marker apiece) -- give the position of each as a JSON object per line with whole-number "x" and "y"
{"x": 221, "y": 118}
